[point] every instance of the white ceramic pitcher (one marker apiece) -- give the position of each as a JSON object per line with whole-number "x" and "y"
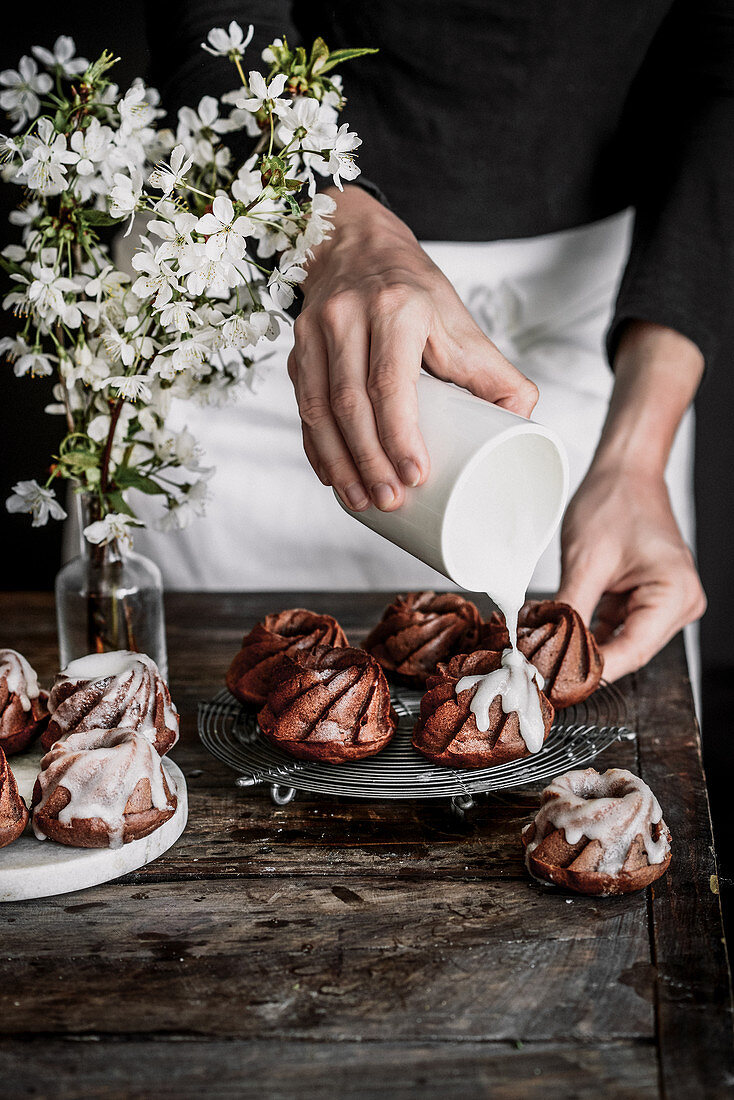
{"x": 495, "y": 494}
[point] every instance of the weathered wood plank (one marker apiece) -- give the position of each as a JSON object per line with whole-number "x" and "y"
{"x": 329, "y": 960}
{"x": 693, "y": 990}
{"x": 53, "y": 1070}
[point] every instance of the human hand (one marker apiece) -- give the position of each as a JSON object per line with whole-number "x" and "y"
{"x": 623, "y": 555}
{"x": 375, "y": 309}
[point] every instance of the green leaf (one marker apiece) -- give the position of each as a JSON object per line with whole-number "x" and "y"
{"x": 82, "y": 459}
{"x": 338, "y": 56}
{"x": 128, "y": 478}
{"x": 98, "y": 217}
{"x": 319, "y": 55}
{"x": 119, "y": 504}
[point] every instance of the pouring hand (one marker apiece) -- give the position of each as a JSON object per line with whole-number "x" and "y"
{"x": 375, "y": 309}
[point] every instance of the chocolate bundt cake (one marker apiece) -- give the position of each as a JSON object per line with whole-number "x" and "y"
{"x": 101, "y": 789}
{"x": 330, "y": 705}
{"x": 284, "y": 634}
{"x": 448, "y": 730}
{"x": 23, "y": 706}
{"x": 419, "y": 630}
{"x": 118, "y": 690}
{"x": 553, "y": 636}
{"x": 598, "y": 834}
{"x": 13, "y": 812}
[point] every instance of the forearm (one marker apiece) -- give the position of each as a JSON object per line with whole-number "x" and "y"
{"x": 657, "y": 373}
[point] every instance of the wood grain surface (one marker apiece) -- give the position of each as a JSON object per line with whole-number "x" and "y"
{"x": 366, "y": 949}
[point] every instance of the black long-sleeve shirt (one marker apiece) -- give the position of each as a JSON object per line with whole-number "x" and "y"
{"x": 496, "y": 119}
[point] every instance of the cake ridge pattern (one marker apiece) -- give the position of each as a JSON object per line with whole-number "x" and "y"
{"x": 421, "y": 629}
{"x": 281, "y": 634}
{"x": 330, "y": 704}
{"x": 13, "y": 810}
{"x": 121, "y": 690}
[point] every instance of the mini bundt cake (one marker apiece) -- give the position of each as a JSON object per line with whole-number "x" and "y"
{"x": 330, "y": 705}
{"x": 420, "y": 630}
{"x": 497, "y": 686}
{"x": 101, "y": 789}
{"x": 23, "y": 706}
{"x": 598, "y": 833}
{"x": 117, "y": 690}
{"x": 13, "y": 812}
{"x": 553, "y": 636}
{"x": 283, "y": 634}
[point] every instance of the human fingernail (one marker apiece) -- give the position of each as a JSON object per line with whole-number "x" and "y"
{"x": 410, "y": 473}
{"x": 383, "y": 495}
{"x": 356, "y": 496}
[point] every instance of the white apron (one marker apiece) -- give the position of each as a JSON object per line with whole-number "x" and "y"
{"x": 546, "y": 302}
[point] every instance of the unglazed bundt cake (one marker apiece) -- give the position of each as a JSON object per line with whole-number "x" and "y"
{"x": 118, "y": 690}
{"x": 101, "y": 788}
{"x": 419, "y": 630}
{"x": 283, "y": 634}
{"x": 553, "y": 636}
{"x": 598, "y": 834}
{"x": 497, "y": 686}
{"x": 329, "y": 704}
{"x": 23, "y": 706}
{"x": 13, "y": 812}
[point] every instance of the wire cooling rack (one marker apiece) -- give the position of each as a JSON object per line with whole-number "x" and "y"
{"x": 230, "y": 732}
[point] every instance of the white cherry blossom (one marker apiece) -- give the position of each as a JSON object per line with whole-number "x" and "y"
{"x": 225, "y": 233}
{"x": 282, "y": 284}
{"x": 47, "y": 155}
{"x": 262, "y": 95}
{"x": 115, "y": 525}
{"x": 125, "y": 196}
{"x": 26, "y": 359}
{"x": 29, "y": 496}
{"x": 24, "y": 87}
{"x": 230, "y": 43}
{"x": 167, "y": 177}
{"x": 341, "y": 162}
{"x": 130, "y": 386}
{"x": 62, "y": 56}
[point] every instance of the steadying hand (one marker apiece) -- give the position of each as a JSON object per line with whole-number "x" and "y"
{"x": 375, "y": 310}
{"x": 622, "y": 552}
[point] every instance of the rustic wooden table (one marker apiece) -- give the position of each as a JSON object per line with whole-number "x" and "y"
{"x": 353, "y": 948}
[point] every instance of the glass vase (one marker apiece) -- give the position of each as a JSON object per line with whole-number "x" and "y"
{"x": 109, "y": 598}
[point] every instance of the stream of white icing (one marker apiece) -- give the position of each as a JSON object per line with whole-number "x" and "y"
{"x": 19, "y": 676}
{"x": 579, "y": 803}
{"x": 100, "y": 769}
{"x": 515, "y": 683}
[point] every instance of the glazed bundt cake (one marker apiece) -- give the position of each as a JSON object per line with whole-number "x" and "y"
{"x": 117, "y": 690}
{"x": 23, "y": 706}
{"x": 13, "y": 812}
{"x": 418, "y": 631}
{"x": 553, "y": 636}
{"x": 598, "y": 834}
{"x": 101, "y": 788}
{"x": 283, "y": 634}
{"x": 329, "y": 704}
{"x": 513, "y": 717}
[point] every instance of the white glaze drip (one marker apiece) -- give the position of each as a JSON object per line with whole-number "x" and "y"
{"x": 100, "y": 769}
{"x": 515, "y": 683}
{"x": 130, "y": 694}
{"x": 19, "y": 677}
{"x": 613, "y": 808}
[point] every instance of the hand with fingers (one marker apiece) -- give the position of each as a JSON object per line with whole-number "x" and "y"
{"x": 622, "y": 553}
{"x": 376, "y": 310}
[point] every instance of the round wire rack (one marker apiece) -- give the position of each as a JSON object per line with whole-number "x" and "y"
{"x": 231, "y": 733}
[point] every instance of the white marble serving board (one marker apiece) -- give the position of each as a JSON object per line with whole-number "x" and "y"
{"x": 31, "y": 868}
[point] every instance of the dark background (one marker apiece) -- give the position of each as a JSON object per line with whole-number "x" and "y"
{"x": 29, "y": 437}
